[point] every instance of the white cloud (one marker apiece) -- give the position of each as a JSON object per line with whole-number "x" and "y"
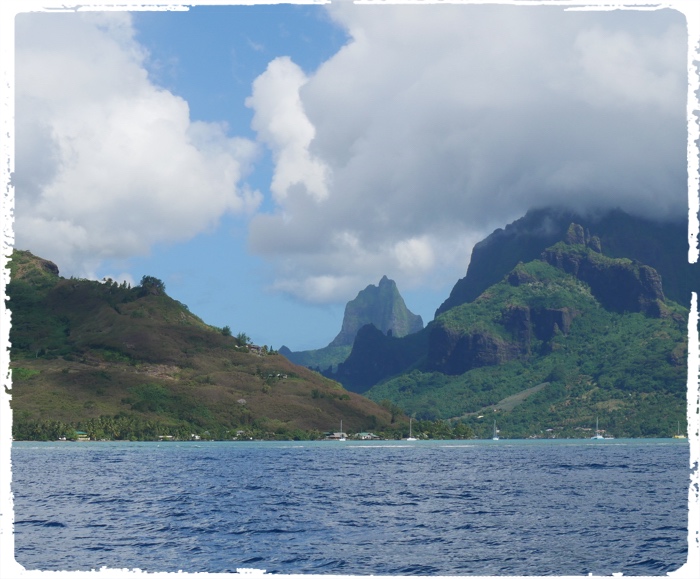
{"x": 435, "y": 124}
{"x": 415, "y": 254}
{"x": 431, "y": 127}
{"x": 108, "y": 164}
{"x": 621, "y": 69}
{"x": 281, "y": 123}
{"x": 321, "y": 288}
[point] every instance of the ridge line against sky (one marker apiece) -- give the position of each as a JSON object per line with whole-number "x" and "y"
{"x": 284, "y": 176}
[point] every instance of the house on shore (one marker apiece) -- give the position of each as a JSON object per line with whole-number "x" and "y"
{"x": 366, "y": 436}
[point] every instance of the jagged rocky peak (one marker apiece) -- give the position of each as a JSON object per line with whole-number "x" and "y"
{"x": 381, "y": 306}
{"x": 576, "y": 235}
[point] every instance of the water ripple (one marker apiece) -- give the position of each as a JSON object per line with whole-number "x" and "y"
{"x": 382, "y": 509}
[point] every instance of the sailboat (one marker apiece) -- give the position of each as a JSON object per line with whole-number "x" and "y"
{"x": 495, "y": 432}
{"x": 598, "y": 435}
{"x": 679, "y": 435}
{"x": 410, "y": 430}
{"x": 342, "y": 434}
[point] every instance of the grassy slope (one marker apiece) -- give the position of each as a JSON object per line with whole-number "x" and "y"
{"x": 628, "y": 369}
{"x": 83, "y": 350}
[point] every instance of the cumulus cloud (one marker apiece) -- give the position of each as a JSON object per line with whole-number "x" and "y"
{"x": 107, "y": 163}
{"x": 435, "y": 124}
{"x": 281, "y": 123}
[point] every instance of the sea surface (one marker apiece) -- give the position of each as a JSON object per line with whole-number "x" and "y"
{"x": 522, "y": 507}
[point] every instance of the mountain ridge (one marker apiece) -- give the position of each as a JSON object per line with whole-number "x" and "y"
{"x": 538, "y": 324}
{"x": 661, "y": 245}
{"x": 549, "y": 345}
{"x": 579, "y": 330}
{"x": 378, "y": 305}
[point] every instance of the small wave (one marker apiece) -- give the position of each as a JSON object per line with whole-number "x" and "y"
{"x": 146, "y": 544}
{"x": 40, "y": 523}
{"x": 415, "y": 570}
{"x": 275, "y": 531}
{"x": 106, "y": 501}
{"x": 333, "y": 564}
{"x": 105, "y": 458}
{"x": 651, "y": 566}
{"x": 593, "y": 465}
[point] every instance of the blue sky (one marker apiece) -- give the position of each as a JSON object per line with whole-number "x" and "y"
{"x": 269, "y": 162}
{"x": 214, "y": 273}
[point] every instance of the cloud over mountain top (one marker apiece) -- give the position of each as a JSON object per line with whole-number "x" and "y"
{"x": 435, "y": 124}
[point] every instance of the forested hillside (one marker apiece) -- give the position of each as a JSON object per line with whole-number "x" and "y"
{"x": 131, "y": 362}
{"x": 558, "y": 341}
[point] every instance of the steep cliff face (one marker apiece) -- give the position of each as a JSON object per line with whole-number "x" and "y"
{"x": 376, "y": 355}
{"x": 34, "y": 270}
{"x": 526, "y": 324}
{"x": 381, "y": 306}
{"x": 454, "y": 352}
{"x": 662, "y": 246}
{"x": 620, "y": 285}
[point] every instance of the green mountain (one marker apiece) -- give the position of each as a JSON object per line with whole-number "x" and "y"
{"x": 380, "y": 306}
{"x": 555, "y": 342}
{"x": 122, "y": 362}
{"x": 662, "y": 245}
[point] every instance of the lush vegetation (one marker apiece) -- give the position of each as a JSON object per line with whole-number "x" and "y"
{"x": 628, "y": 370}
{"x": 124, "y": 363}
{"x": 134, "y": 363}
{"x": 550, "y": 288}
{"x": 137, "y": 428}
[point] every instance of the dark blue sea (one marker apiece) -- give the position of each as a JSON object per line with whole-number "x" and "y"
{"x": 553, "y": 507}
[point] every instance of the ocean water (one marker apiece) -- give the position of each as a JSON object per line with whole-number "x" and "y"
{"x": 427, "y": 508}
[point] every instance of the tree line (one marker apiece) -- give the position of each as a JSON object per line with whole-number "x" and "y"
{"x": 134, "y": 428}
